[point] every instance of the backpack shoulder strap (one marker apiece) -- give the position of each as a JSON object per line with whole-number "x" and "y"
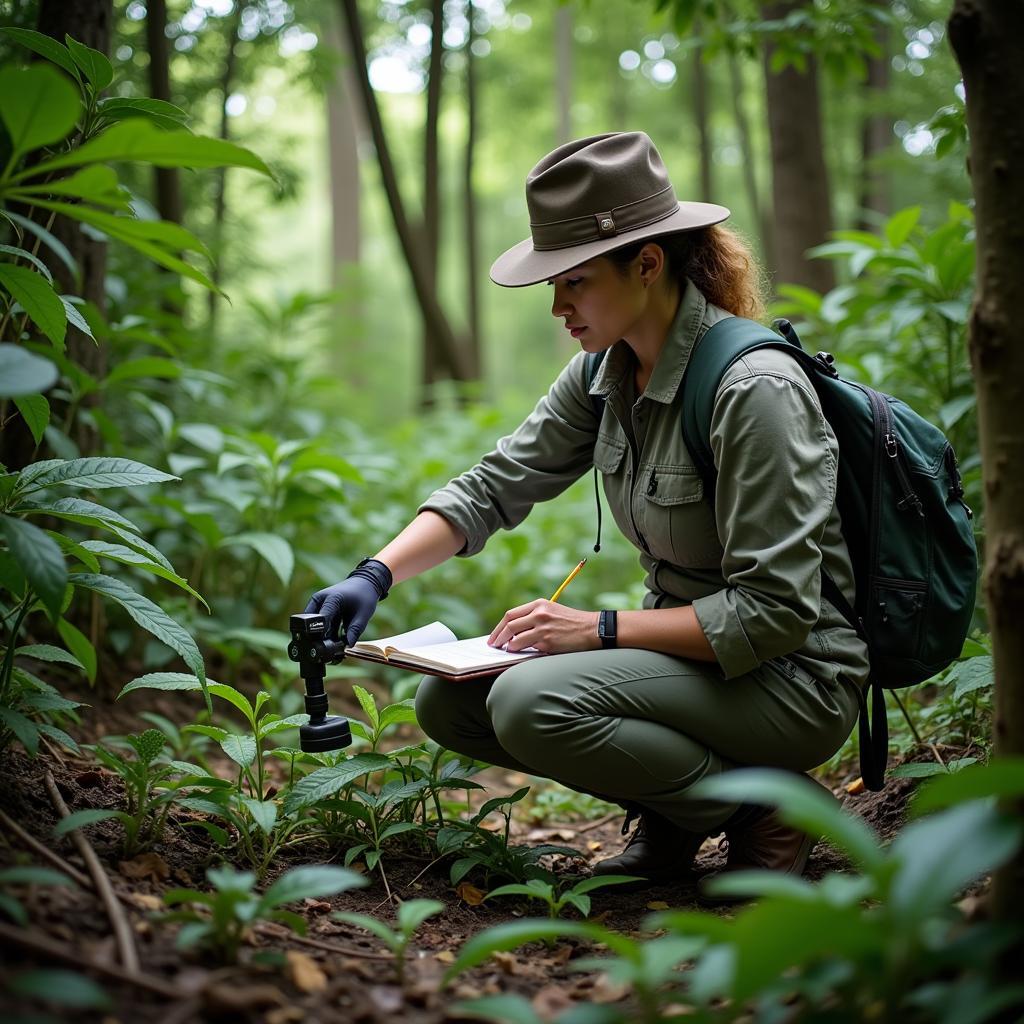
{"x": 593, "y": 364}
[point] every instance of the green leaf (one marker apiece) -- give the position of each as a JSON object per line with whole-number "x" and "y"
{"x": 129, "y": 556}
{"x": 47, "y": 652}
{"x": 89, "y": 513}
{"x": 315, "y": 880}
{"x": 79, "y": 818}
{"x": 264, "y": 813}
{"x": 506, "y": 1008}
{"x": 413, "y": 913}
{"x": 45, "y": 46}
{"x": 24, "y": 254}
{"x": 147, "y": 366}
{"x": 274, "y": 550}
{"x": 241, "y": 749}
{"x": 40, "y": 559}
{"x": 96, "y": 66}
{"x": 918, "y": 770}
{"x": 515, "y": 934}
{"x": 398, "y": 828}
{"x": 534, "y": 888}
{"x": 368, "y": 704}
{"x": 236, "y": 699}
{"x": 599, "y": 881}
{"x": 40, "y": 106}
{"x": 163, "y": 681}
{"x": 1001, "y": 777}
{"x": 325, "y": 782}
{"x": 973, "y": 674}
{"x": 24, "y": 729}
{"x": 401, "y": 712}
{"x": 47, "y": 729}
{"x": 32, "y": 875}
{"x": 136, "y": 140}
{"x": 51, "y": 241}
{"x": 23, "y": 372}
{"x": 372, "y": 925}
{"x": 64, "y": 988}
{"x": 93, "y": 472}
{"x": 900, "y": 225}
{"x": 149, "y": 616}
{"x": 79, "y": 645}
{"x": 97, "y": 184}
{"x": 499, "y": 801}
{"x": 35, "y": 411}
{"x": 38, "y": 299}
{"x": 162, "y": 114}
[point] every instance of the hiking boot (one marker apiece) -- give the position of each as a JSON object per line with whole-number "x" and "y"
{"x": 658, "y": 852}
{"x": 758, "y": 840}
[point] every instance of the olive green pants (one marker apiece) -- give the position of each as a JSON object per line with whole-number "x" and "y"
{"x": 639, "y": 727}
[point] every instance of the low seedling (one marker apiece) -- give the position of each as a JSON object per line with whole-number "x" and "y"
{"x": 217, "y": 921}
{"x": 537, "y": 889}
{"x": 410, "y": 916}
{"x": 26, "y": 875}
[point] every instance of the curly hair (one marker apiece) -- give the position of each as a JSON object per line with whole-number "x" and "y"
{"x": 718, "y": 260}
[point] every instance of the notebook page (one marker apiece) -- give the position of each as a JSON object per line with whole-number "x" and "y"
{"x": 424, "y": 636}
{"x": 466, "y": 655}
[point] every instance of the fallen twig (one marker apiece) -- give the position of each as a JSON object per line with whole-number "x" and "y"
{"x": 45, "y": 946}
{"x": 279, "y": 932}
{"x": 591, "y": 825}
{"x": 44, "y": 851}
{"x": 122, "y": 929}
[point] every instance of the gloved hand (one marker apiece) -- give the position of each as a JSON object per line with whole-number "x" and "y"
{"x": 351, "y": 603}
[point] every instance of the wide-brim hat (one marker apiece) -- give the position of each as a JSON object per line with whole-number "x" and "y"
{"x": 591, "y": 196}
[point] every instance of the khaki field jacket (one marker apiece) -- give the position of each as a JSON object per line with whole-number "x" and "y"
{"x": 750, "y": 566}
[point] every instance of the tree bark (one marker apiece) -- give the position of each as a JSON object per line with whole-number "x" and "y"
{"x": 563, "y": 73}
{"x": 221, "y": 173}
{"x": 343, "y": 131}
{"x": 748, "y": 160}
{"x": 168, "y": 182}
{"x": 433, "y": 367}
{"x": 426, "y": 296}
{"x": 472, "y": 242}
{"x": 700, "y": 117}
{"x": 876, "y": 138}
{"x": 985, "y": 35}
{"x": 800, "y": 190}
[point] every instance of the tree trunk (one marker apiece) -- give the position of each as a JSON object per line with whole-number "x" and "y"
{"x": 432, "y": 363}
{"x": 700, "y": 117}
{"x": 563, "y": 73}
{"x": 747, "y": 158}
{"x": 221, "y": 173}
{"x": 89, "y": 22}
{"x": 430, "y": 308}
{"x": 472, "y": 242}
{"x": 168, "y": 183}
{"x": 800, "y": 191}
{"x": 986, "y": 35}
{"x": 876, "y": 139}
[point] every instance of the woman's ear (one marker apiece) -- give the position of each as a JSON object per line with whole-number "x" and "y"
{"x": 652, "y": 263}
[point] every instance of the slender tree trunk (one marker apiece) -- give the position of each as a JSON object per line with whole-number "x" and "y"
{"x": 220, "y": 189}
{"x": 89, "y": 22}
{"x": 168, "y": 183}
{"x": 800, "y": 190}
{"x": 472, "y": 346}
{"x": 986, "y": 35}
{"x": 563, "y": 72}
{"x": 747, "y": 157}
{"x": 700, "y": 117}
{"x": 876, "y": 138}
{"x": 432, "y": 365}
{"x": 426, "y": 297}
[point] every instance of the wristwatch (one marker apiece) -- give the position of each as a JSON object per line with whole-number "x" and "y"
{"x": 607, "y": 629}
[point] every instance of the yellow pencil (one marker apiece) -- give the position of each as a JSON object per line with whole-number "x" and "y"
{"x": 568, "y": 579}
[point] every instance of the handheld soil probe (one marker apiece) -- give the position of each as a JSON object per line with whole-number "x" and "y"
{"x": 314, "y": 652}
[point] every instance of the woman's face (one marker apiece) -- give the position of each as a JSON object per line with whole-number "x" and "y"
{"x": 598, "y": 303}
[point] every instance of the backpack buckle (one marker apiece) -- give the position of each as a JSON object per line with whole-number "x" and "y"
{"x": 825, "y": 361}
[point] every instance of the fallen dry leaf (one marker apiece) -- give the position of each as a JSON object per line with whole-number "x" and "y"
{"x": 228, "y": 998}
{"x": 446, "y": 956}
{"x": 550, "y": 1001}
{"x": 145, "y": 900}
{"x": 146, "y": 865}
{"x": 508, "y": 962}
{"x": 855, "y": 787}
{"x": 594, "y": 844}
{"x": 467, "y": 992}
{"x": 608, "y": 991}
{"x": 305, "y": 973}
{"x": 317, "y": 906}
{"x": 470, "y": 894}
{"x": 657, "y": 905}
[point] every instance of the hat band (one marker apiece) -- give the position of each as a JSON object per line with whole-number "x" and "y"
{"x": 561, "y": 234}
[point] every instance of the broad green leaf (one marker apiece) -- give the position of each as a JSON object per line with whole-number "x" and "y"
{"x": 147, "y": 366}
{"x": 24, "y": 254}
{"x": 64, "y": 988}
{"x": 24, "y": 729}
{"x": 40, "y": 106}
{"x": 900, "y": 225}
{"x": 954, "y": 410}
{"x": 213, "y": 731}
{"x": 96, "y": 66}
{"x": 413, "y": 913}
{"x": 973, "y": 674}
{"x": 401, "y": 712}
{"x": 372, "y": 925}
{"x": 314, "y": 881}
{"x": 93, "y": 472}
{"x": 79, "y": 645}
{"x": 96, "y": 183}
{"x": 515, "y": 934}
{"x": 534, "y": 888}
{"x": 1001, "y": 777}
{"x": 368, "y": 704}
{"x": 75, "y": 318}
{"x": 47, "y": 729}
{"x": 79, "y": 818}
{"x": 599, "y": 881}
{"x": 38, "y": 299}
{"x": 47, "y": 652}
{"x": 89, "y": 512}
{"x": 35, "y": 411}
{"x": 398, "y": 828}
{"x": 45, "y": 46}
{"x": 235, "y": 698}
{"x": 264, "y": 813}
{"x": 129, "y": 556}
{"x": 506, "y": 1008}
{"x": 149, "y": 616}
{"x": 274, "y": 550}
{"x": 325, "y": 782}
{"x": 51, "y": 241}
{"x": 801, "y": 803}
{"x": 163, "y": 681}
{"x": 40, "y": 559}
{"x": 32, "y": 875}
{"x": 23, "y": 372}
{"x": 500, "y": 801}
{"x": 162, "y": 114}
{"x": 136, "y": 140}
{"x": 241, "y": 749}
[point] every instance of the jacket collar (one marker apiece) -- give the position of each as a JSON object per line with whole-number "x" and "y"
{"x": 672, "y": 362}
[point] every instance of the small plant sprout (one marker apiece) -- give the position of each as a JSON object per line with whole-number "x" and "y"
{"x": 218, "y": 921}
{"x": 410, "y": 916}
{"x": 537, "y": 889}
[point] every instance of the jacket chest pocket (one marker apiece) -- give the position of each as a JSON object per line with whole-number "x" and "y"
{"x": 610, "y": 459}
{"x": 678, "y": 523}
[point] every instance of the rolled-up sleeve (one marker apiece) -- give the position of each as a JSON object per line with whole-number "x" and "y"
{"x": 776, "y": 461}
{"x": 551, "y": 449}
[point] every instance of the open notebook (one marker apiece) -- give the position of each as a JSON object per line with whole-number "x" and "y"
{"x": 435, "y": 648}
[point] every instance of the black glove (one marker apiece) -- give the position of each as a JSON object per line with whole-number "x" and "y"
{"x": 352, "y": 602}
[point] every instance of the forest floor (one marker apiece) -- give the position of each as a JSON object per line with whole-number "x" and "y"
{"x": 337, "y": 972}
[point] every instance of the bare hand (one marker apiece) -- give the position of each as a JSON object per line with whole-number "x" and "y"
{"x": 550, "y": 627}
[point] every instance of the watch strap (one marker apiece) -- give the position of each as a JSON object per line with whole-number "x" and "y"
{"x": 607, "y": 629}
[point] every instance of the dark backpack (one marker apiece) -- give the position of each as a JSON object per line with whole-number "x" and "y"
{"x": 903, "y": 515}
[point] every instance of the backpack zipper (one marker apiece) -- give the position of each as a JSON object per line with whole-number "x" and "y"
{"x": 892, "y": 450}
